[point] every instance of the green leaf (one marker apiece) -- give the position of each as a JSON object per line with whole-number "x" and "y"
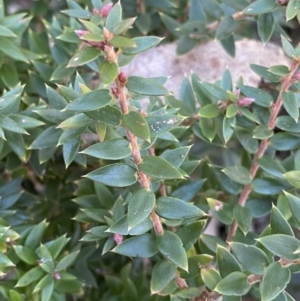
{"x": 279, "y": 224}
{"x": 265, "y": 25}
{"x": 123, "y": 26}
{"x": 238, "y": 173}
{"x": 190, "y": 233}
{"x": 10, "y": 125}
{"x": 287, "y": 47}
{"x": 210, "y": 111}
{"x": 292, "y": 9}
{"x": 15, "y": 296}
{"x": 11, "y": 50}
{"x": 274, "y": 281}
{"x": 245, "y": 138}
{"x": 55, "y": 246}
{"x": 226, "y": 28}
{"x": 294, "y": 204}
{"x": 108, "y": 72}
{"x": 185, "y": 44}
{"x": 285, "y": 141}
{"x": 30, "y": 276}
{"x": 47, "y": 291}
{"x": 17, "y": 144}
{"x": 262, "y": 132}
{"x": 262, "y": 98}
{"x": 26, "y": 122}
{"x": 35, "y": 235}
{"x": 170, "y": 245}
{"x": 163, "y": 123}
{"x": 235, "y": 284}
{"x": 193, "y": 28}
{"x": 140, "y": 206}
{"x": 6, "y": 262}
{"x": 118, "y": 175}
{"x": 232, "y": 110}
{"x": 26, "y": 254}
{"x": 210, "y": 277}
{"x": 77, "y": 13}
{"x": 189, "y": 292}
{"x": 9, "y": 75}
{"x": 145, "y": 86}
{"x": 108, "y": 115}
{"x": 272, "y": 166}
{"x": 66, "y": 261}
{"x": 48, "y": 138}
{"x": 121, "y": 42}
{"x": 290, "y": 103}
{"x": 46, "y": 261}
{"x": 215, "y": 91}
{"x": 159, "y": 168}
{"x": 176, "y": 156}
{"x": 114, "y": 17}
{"x": 281, "y": 245}
{"x": 142, "y": 44}
{"x": 142, "y": 246}
{"x": 173, "y": 208}
{"x": 84, "y": 56}
{"x": 280, "y": 70}
{"x": 226, "y": 262}
{"x": 70, "y": 135}
{"x": 293, "y": 177}
{"x": 110, "y": 149}
{"x": 265, "y": 73}
{"x": 90, "y": 101}
{"x": 260, "y": 7}
{"x": 56, "y": 101}
{"x": 162, "y": 273}
{"x": 76, "y": 121}
{"x": 269, "y": 186}
{"x": 137, "y": 125}
{"x": 208, "y": 128}
{"x": 243, "y": 217}
{"x": 252, "y": 258}
{"x": 213, "y": 8}
{"x": 5, "y": 32}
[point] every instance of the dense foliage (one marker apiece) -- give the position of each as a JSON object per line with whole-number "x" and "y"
{"x": 105, "y": 196}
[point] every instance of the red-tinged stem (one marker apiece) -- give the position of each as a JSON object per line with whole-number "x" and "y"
{"x": 286, "y": 82}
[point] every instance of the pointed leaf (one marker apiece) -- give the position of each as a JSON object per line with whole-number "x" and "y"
{"x": 108, "y": 72}
{"x": 279, "y": 224}
{"x": 26, "y": 254}
{"x": 252, "y": 258}
{"x": 118, "y": 175}
{"x": 274, "y": 281}
{"x": 84, "y": 56}
{"x": 172, "y": 208}
{"x": 281, "y": 245}
{"x": 66, "y": 261}
{"x": 290, "y": 103}
{"x": 56, "y": 101}
{"x": 210, "y": 111}
{"x": 140, "y": 206}
{"x": 142, "y": 44}
{"x": 163, "y": 123}
{"x": 226, "y": 262}
{"x": 235, "y": 284}
{"x": 260, "y": 7}
{"x": 114, "y": 17}
{"x": 293, "y": 177}
{"x": 110, "y": 149}
{"x": 238, "y": 173}
{"x": 90, "y": 101}
{"x": 170, "y": 245}
{"x": 243, "y": 217}
{"x": 294, "y": 204}
{"x": 265, "y": 24}
{"x": 145, "y": 86}
{"x": 159, "y": 168}
{"x": 142, "y": 246}
{"x": 292, "y": 9}
{"x": 137, "y": 125}
{"x": 210, "y": 277}
{"x": 162, "y": 273}
{"x": 30, "y": 276}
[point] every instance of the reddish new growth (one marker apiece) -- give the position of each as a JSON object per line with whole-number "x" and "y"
{"x": 104, "y": 11}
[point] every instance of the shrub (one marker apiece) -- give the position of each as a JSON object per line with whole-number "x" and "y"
{"x": 103, "y": 198}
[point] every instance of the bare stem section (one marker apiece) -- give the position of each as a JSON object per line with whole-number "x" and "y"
{"x": 286, "y": 82}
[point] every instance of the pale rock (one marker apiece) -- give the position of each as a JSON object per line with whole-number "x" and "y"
{"x": 208, "y": 61}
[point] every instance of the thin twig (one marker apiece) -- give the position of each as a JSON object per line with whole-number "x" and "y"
{"x": 286, "y": 82}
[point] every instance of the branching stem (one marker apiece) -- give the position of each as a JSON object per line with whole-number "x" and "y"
{"x": 286, "y": 82}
